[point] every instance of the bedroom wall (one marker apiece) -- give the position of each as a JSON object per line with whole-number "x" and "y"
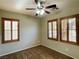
{"x": 65, "y": 48}
{"x": 29, "y": 33}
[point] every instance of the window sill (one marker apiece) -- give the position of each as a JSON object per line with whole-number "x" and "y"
{"x": 9, "y": 41}
{"x": 73, "y": 43}
{"x": 53, "y": 39}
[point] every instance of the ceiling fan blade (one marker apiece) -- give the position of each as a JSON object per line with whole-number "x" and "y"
{"x": 52, "y": 6}
{"x": 47, "y": 12}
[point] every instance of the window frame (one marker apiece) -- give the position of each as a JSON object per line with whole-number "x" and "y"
{"x": 3, "y": 30}
{"x": 77, "y": 29}
{"x": 52, "y": 29}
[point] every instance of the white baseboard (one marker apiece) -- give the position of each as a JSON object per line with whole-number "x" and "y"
{"x": 19, "y": 50}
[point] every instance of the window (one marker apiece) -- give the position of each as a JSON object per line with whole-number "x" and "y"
{"x": 64, "y": 29}
{"x": 69, "y": 29}
{"x": 72, "y": 29}
{"x": 52, "y": 30}
{"x": 10, "y": 30}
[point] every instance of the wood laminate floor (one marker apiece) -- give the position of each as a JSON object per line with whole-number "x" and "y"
{"x": 39, "y": 52}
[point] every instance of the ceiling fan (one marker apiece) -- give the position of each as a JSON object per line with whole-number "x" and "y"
{"x": 41, "y": 9}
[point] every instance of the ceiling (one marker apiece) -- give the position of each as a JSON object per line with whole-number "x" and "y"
{"x": 20, "y": 5}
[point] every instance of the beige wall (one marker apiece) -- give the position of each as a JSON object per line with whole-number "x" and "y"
{"x": 65, "y": 48}
{"x": 29, "y": 33}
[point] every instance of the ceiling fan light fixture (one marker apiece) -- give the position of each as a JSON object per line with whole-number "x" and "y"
{"x": 37, "y": 11}
{"x": 42, "y": 12}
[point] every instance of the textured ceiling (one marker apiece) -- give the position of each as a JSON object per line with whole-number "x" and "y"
{"x": 20, "y": 5}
